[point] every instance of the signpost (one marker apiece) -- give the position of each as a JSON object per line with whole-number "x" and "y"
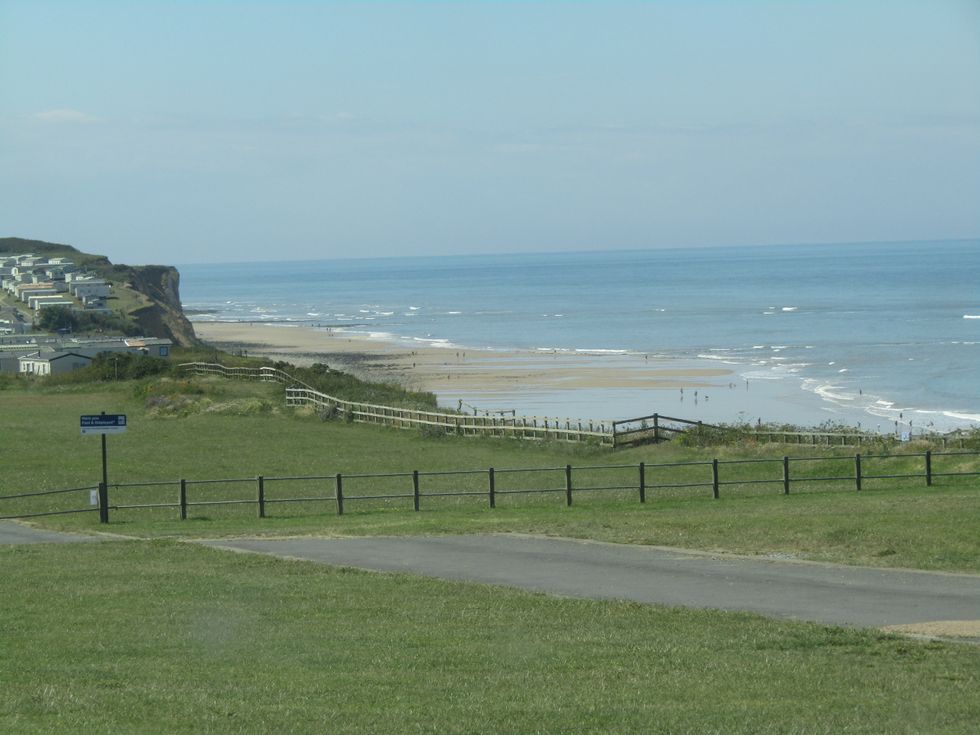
{"x": 104, "y": 424}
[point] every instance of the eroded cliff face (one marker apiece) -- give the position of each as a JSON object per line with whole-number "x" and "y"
{"x": 156, "y": 287}
{"x": 163, "y": 315}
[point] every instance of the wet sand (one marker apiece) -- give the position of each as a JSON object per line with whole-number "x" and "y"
{"x": 598, "y": 386}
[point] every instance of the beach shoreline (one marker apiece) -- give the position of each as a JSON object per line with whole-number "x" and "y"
{"x": 599, "y": 385}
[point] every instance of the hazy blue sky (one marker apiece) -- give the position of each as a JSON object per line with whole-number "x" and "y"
{"x": 213, "y": 131}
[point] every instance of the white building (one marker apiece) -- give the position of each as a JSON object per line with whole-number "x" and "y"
{"x": 53, "y": 363}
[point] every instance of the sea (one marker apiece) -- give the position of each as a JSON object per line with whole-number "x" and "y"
{"x": 879, "y": 333}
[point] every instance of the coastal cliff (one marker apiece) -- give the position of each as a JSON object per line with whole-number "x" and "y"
{"x": 147, "y": 296}
{"x": 162, "y": 314}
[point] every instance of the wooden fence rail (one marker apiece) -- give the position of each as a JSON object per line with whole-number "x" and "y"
{"x": 644, "y": 429}
{"x": 528, "y": 427}
{"x": 339, "y": 490}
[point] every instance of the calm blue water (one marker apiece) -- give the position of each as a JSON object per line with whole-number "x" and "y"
{"x": 876, "y": 326}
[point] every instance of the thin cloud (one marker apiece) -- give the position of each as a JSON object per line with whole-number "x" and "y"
{"x": 75, "y": 117}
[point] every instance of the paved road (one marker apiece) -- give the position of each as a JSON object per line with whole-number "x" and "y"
{"x": 15, "y": 533}
{"x": 824, "y": 593}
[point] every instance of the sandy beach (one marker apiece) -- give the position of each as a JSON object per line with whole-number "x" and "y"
{"x": 599, "y": 386}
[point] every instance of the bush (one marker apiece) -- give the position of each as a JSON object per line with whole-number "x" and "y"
{"x": 708, "y": 436}
{"x": 175, "y": 405}
{"x": 127, "y": 366}
{"x": 242, "y": 407}
{"x": 72, "y": 320}
{"x": 171, "y": 386}
{"x": 433, "y": 432}
{"x": 336, "y": 383}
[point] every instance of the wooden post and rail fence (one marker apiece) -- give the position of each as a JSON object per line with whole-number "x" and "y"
{"x": 654, "y": 428}
{"x": 339, "y": 490}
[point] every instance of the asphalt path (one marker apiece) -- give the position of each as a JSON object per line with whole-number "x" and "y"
{"x": 824, "y": 593}
{"x": 17, "y": 533}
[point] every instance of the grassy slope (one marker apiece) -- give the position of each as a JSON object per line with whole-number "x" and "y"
{"x": 168, "y": 637}
{"x": 164, "y": 636}
{"x": 900, "y": 523}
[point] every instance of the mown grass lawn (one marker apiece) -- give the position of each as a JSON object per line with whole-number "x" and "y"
{"x": 898, "y": 523}
{"x": 164, "y": 636}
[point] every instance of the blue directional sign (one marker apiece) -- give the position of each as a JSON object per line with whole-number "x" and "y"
{"x": 104, "y": 424}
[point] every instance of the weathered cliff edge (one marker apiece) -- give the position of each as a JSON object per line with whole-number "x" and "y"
{"x": 163, "y": 316}
{"x": 154, "y": 290}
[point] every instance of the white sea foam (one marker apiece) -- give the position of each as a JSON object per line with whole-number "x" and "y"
{"x": 975, "y": 417}
{"x": 434, "y": 341}
{"x": 971, "y": 316}
{"x": 413, "y": 308}
{"x": 454, "y": 312}
{"x": 831, "y": 393}
{"x": 763, "y": 375}
{"x": 790, "y": 308}
{"x": 599, "y": 351}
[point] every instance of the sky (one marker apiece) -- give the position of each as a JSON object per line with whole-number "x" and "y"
{"x": 180, "y": 132}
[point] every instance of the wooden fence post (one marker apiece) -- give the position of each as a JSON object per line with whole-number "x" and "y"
{"x": 643, "y": 483}
{"x": 261, "y": 483}
{"x": 928, "y": 468}
{"x": 493, "y": 489}
{"x": 656, "y": 428}
{"x": 568, "y": 484}
{"x": 182, "y": 499}
{"x": 714, "y": 478}
{"x": 103, "y": 499}
{"x": 785, "y": 475}
{"x": 857, "y": 471}
{"x": 415, "y": 488}
{"x": 340, "y": 496}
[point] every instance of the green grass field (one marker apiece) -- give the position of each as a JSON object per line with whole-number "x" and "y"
{"x": 159, "y": 635}
{"x": 247, "y": 433}
{"x": 165, "y": 636}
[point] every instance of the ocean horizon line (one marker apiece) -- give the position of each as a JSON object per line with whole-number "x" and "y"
{"x": 588, "y": 251}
